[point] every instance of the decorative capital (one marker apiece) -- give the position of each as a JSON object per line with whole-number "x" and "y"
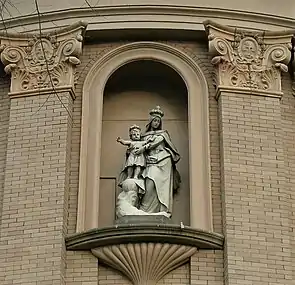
{"x": 248, "y": 60}
{"x": 38, "y": 61}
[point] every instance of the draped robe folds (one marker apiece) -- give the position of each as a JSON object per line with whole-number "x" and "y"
{"x": 161, "y": 157}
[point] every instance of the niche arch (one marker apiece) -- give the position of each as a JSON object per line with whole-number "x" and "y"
{"x": 198, "y": 129}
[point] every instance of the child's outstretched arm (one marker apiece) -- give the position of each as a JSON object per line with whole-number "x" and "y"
{"x": 123, "y": 142}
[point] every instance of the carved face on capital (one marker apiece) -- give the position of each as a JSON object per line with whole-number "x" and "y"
{"x": 156, "y": 123}
{"x": 249, "y": 48}
{"x": 42, "y": 50}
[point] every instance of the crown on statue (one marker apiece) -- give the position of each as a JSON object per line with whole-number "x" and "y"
{"x": 157, "y": 112}
{"x": 134, "y": 127}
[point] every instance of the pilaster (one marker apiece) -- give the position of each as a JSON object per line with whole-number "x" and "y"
{"x": 256, "y": 203}
{"x": 34, "y": 220}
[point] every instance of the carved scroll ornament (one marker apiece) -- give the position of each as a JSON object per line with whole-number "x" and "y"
{"x": 247, "y": 60}
{"x": 44, "y": 62}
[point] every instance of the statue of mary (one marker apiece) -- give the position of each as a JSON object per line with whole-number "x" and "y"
{"x": 160, "y": 175}
{"x": 152, "y": 191}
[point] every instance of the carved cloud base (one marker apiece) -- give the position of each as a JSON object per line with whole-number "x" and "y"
{"x": 144, "y": 263}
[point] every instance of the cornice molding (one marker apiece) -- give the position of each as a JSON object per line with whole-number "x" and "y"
{"x": 247, "y": 60}
{"x": 192, "y": 13}
{"x": 122, "y": 234}
{"x": 245, "y": 91}
{"x": 44, "y": 91}
{"x": 42, "y": 61}
{"x": 61, "y": 32}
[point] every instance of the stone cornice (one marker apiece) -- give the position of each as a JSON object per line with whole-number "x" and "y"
{"x": 61, "y": 32}
{"x": 182, "y": 16}
{"x": 246, "y": 91}
{"x": 42, "y": 61}
{"x": 244, "y": 59}
{"x": 122, "y": 234}
{"x": 229, "y": 33}
{"x": 44, "y": 91}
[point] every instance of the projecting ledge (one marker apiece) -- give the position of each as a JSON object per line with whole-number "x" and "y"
{"x": 144, "y": 233}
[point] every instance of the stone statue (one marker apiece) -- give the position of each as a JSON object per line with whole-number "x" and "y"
{"x": 149, "y": 177}
{"x": 135, "y": 163}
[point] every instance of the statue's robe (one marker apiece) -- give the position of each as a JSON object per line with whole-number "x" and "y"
{"x": 161, "y": 159}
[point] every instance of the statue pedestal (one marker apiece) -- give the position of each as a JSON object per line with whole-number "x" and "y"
{"x": 147, "y": 219}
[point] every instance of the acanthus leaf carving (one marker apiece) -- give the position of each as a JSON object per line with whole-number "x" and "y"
{"x": 45, "y": 62}
{"x": 248, "y": 60}
{"x": 8, "y": 68}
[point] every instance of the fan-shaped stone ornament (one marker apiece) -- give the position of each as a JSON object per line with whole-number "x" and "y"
{"x": 144, "y": 263}
{"x": 144, "y": 252}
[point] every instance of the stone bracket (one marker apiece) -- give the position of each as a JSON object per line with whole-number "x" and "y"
{"x": 144, "y": 252}
{"x": 248, "y": 60}
{"x": 144, "y": 263}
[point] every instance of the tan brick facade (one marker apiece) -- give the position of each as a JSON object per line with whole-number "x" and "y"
{"x": 5, "y": 106}
{"x": 256, "y": 201}
{"x": 36, "y": 189}
{"x": 287, "y": 111}
{"x": 251, "y": 155}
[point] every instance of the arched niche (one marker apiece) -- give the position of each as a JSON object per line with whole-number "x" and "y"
{"x": 130, "y": 93}
{"x": 91, "y": 131}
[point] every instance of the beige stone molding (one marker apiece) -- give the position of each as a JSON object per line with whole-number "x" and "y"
{"x": 42, "y": 61}
{"x": 246, "y": 91}
{"x": 144, "y": 232}
{"x": 246, "y": 60}
{"x": 44, "y": 91}
{"x": 144, "y": 263}
{"x": 198, "y": 123}
{"x": 178, "y": 16}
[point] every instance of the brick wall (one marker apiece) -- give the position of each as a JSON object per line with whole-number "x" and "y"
{"x": 207, "y": 268}
{"x": 288, "y": 128}
{"x": 4, "y": 119}
{"x": 255, "y": 198}
{"x": 35, "y": 191}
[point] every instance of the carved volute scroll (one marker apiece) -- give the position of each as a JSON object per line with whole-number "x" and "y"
{"x": 248, "y": 60}
{"x": 30, "y": 59}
